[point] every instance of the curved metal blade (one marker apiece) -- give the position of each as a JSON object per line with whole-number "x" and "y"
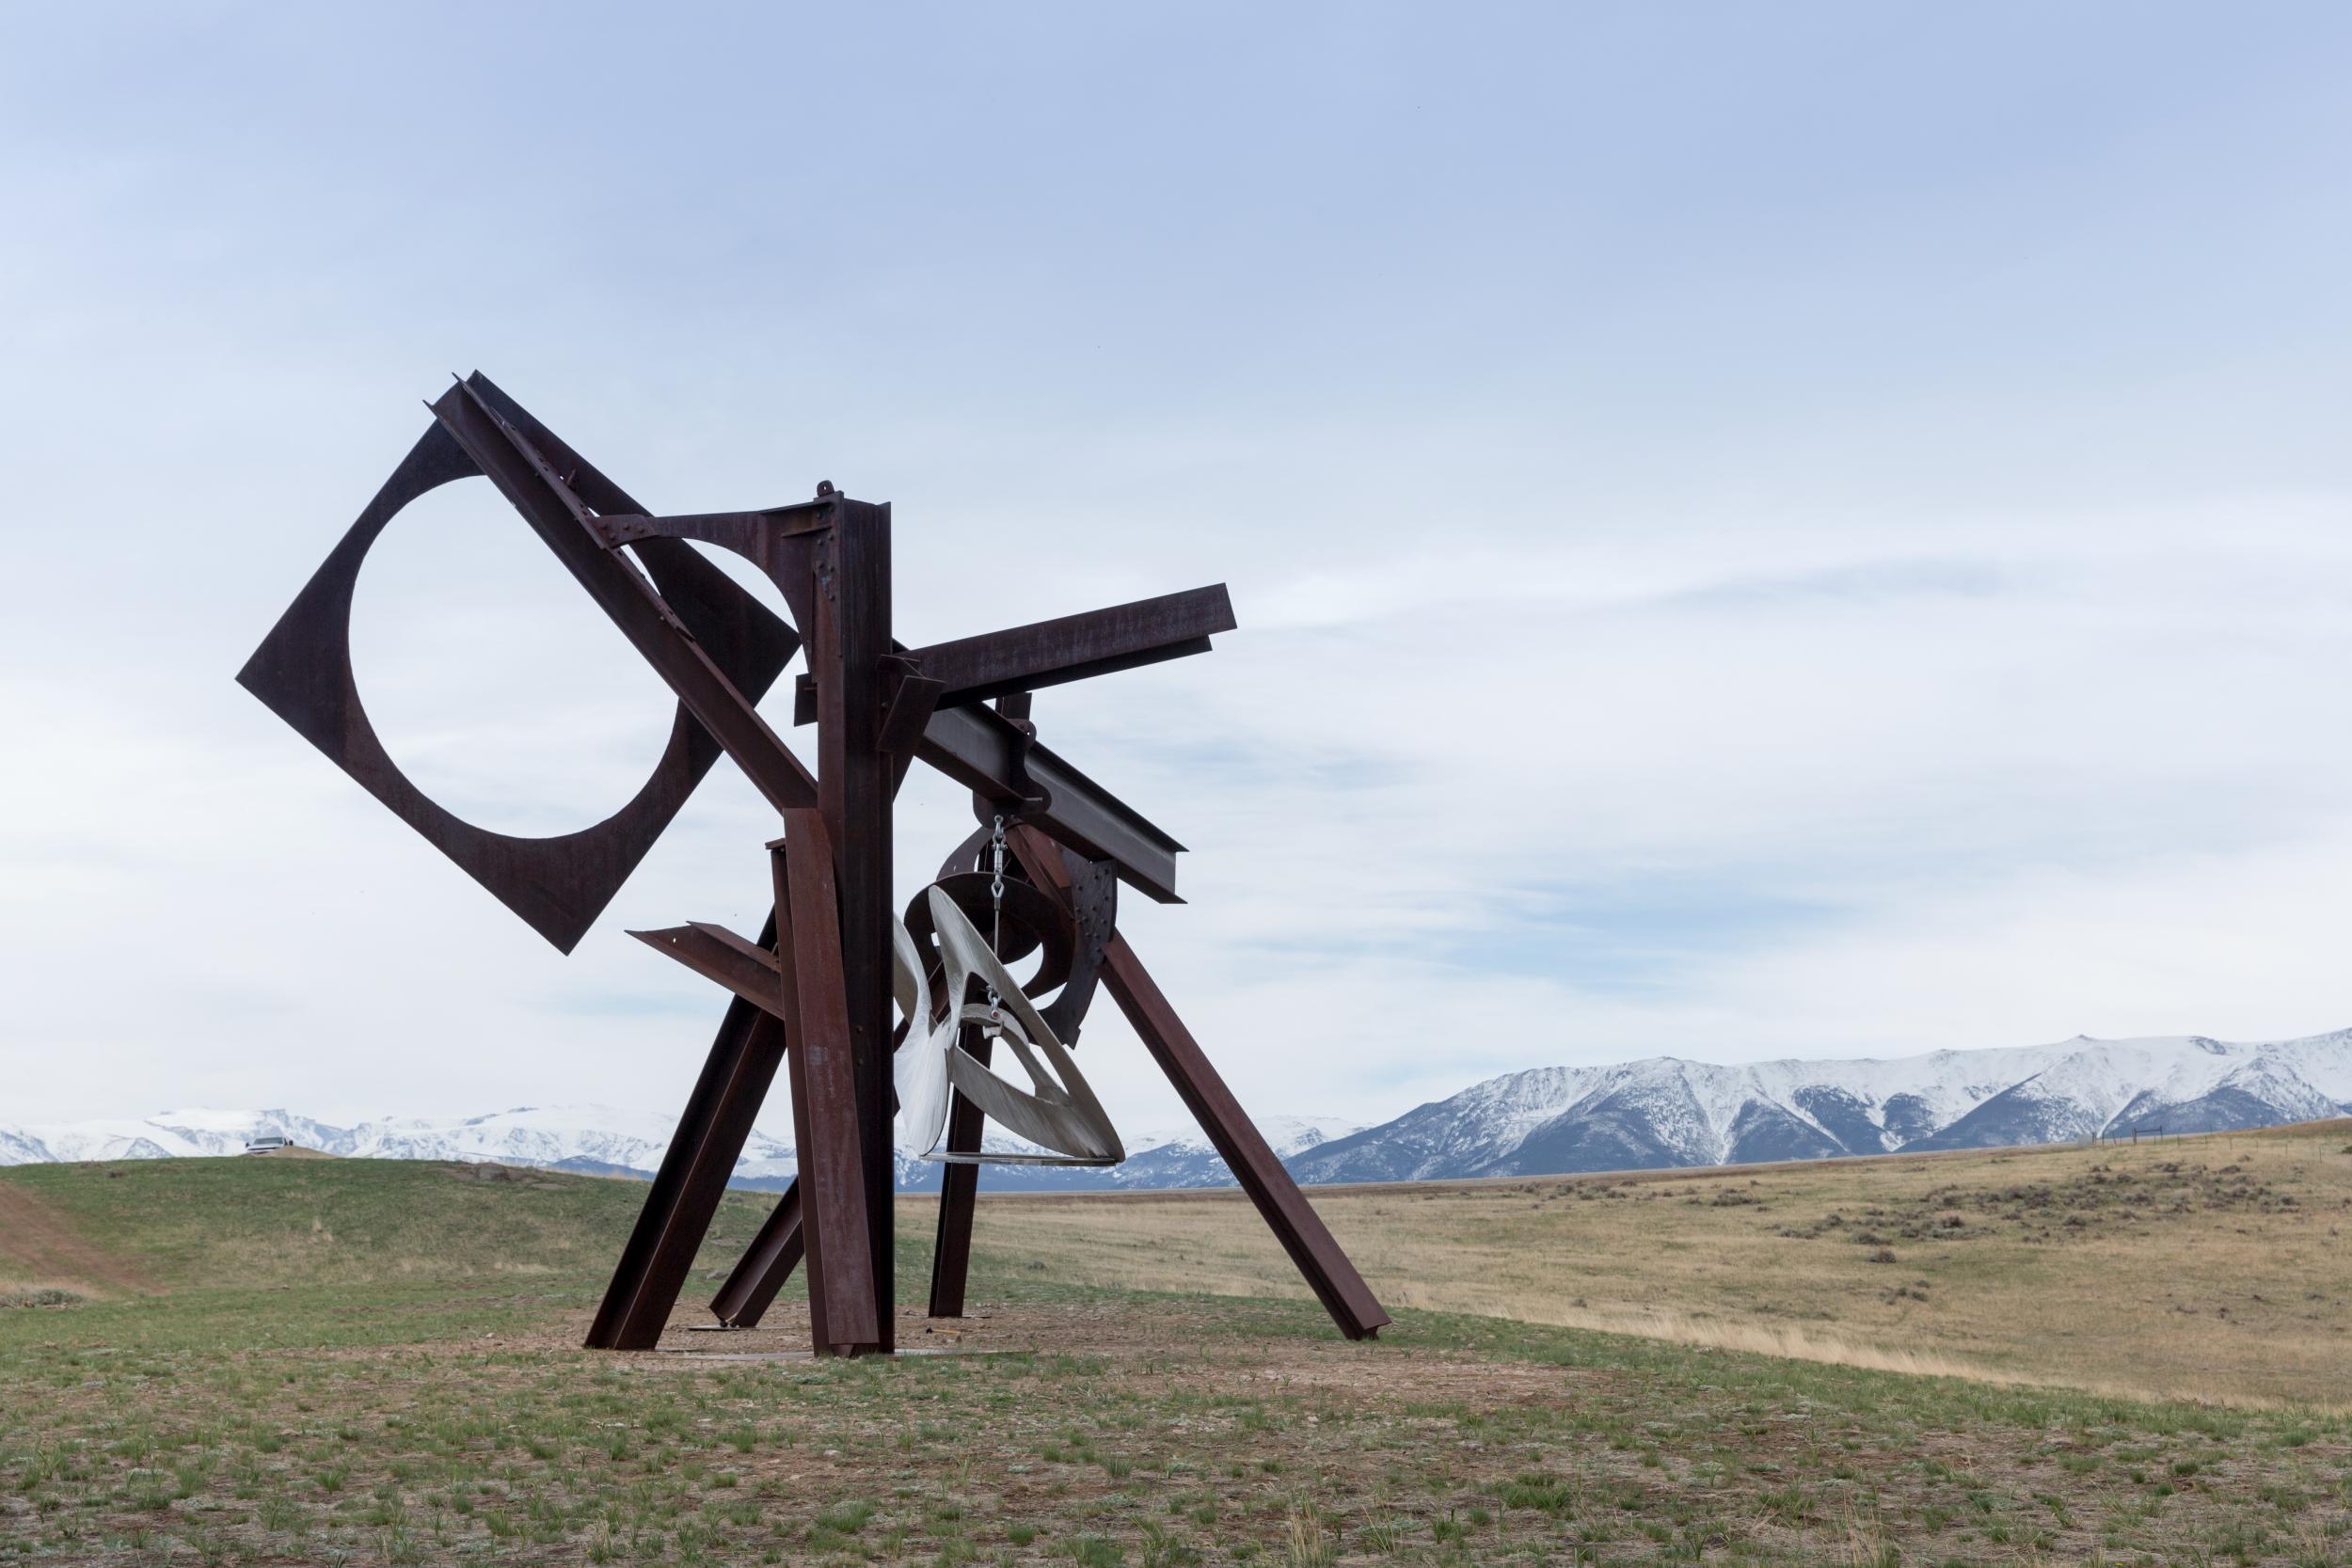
{"x": 1058, "y": 1112}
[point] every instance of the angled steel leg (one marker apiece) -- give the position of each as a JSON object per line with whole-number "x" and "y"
{"x": 1285, "y": 1208}
{"x": 770, "y": 1260}
{"x": 686, "y": 1193}
{"x": 959, "y": 1192}
{"x": 765, "y": 1265}
{"x": 1294, "y": 1222}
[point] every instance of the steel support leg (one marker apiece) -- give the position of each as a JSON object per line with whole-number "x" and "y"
{"x": 1293, "y": 1220}
{"x": 1285, "y": 1208}
{"x": 826, "y": 1133}
{"x": 959, "y": 1191}
{"x": 856, "y": 779}
{"x": 686, "y": 1193}
{"x": 765, "y": 1265}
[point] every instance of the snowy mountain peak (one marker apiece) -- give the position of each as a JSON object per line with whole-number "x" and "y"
{"x": 596, "y": 1139}
{"x": 1667, "y": 1111}
{"x": 1655, "y": 1111}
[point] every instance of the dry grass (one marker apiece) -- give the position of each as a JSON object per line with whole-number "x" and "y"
{"x": 351, "y": 1408}
{"x": 2205, "y": 1268}
{"x": 462, "y": 1424}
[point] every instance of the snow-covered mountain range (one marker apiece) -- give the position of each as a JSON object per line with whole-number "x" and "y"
{"x": 1659, "y": 1112}
{"x": 1665, "y": 1112}
{"x": 601, "y": 1140}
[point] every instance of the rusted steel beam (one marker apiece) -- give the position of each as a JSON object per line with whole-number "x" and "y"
{"x": 302, "y": 671}
{"x": 774, "y": 1255}
{"x": 991, "y": 756}
{"x": 998, "y": 758}
{"x": 765, "y": 1265}
{"x": 849, "y": 643}
{"x": 1285, "y": 1208}
{"x": 1073, "y": 647}
{"x": 781, "y": 542}
{"x": 1016, "y": 659}
{"x": 685, "y": 1194}
{"x": 740, "y": 531}
{"x": 913, "y": 696}
{"x": 959, "y": 1193}
{"x": 718, "y": 953}
{"x": 567, "y": 525}
{"x": 826, "y": 1131}
{"x": 994, "y": 758}
{"x": 716, "y": 609}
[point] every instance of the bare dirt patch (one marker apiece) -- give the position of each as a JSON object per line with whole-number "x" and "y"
{"x": 39, "y": 1246}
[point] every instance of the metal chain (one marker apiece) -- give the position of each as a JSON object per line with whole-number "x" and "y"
{"x": 996, "y": 898}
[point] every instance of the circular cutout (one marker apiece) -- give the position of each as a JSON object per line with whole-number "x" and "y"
{"x": 493, "y": 681}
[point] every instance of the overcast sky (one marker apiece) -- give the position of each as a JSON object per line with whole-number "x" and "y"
{"x": 1757, "y": 530}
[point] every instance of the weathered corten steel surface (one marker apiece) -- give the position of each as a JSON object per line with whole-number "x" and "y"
{"x": 765, "y": 1265}
{"x": 848, "y": 1311}
{"x": 813, "y": 993}
{"x": 1293, "y": 1221}
{"x": 559, "y": 885}
{"x": 686, "y": 1191}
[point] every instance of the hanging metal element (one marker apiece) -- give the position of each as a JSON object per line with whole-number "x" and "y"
{"x": 812, "y": 996}
{"x": 1058, "y": 1113}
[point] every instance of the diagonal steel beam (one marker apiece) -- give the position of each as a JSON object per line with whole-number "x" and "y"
{"x": 978, "y": 749}
{"x": 568, "y": 526}
{"x": 994, "y": 756}
{"x": 765, "y": 1265}
{"x": 718, "y": 953}
{"x": 1075, "y": 648}
{"x": 686, "y": 1191}
{"x": 1243, "y": 1148}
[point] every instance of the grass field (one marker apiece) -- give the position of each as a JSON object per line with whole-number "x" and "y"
{"x": 2214, "y": 1268}
{"x": 351, "y": 1362}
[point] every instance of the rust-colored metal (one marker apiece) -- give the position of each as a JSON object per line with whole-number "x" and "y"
{"x": 710, "y": 1136}
{"x": 1091, "y": 902}
{"x": 818, "y": 981}
{"x": 849, "y": 642}
{"x": 718, "y": 953}
{"x": 847, "y": 1311}
{"x": 958, "y": 1196}
{"x": 1285, "y": 1208}
{"x": 991, "y": 756}
{"x": 766, "y": 1264}
{"x": 1243, "y": 1148}
{"x": 302, "y": 671}
{"x": 1075, "y": 648}
{"x": 565, "y": 524}
{"x": 1022, "y": 659}
{"x": 913, "y": 696}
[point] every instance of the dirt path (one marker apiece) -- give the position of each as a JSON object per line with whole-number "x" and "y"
{"x": 39, "y": 1246}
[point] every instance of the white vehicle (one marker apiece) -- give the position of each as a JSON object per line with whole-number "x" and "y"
{"x": 268, "y": 1143}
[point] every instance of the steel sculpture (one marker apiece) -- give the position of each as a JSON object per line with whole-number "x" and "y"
{"x": 814, "y": 994}
{"x": 1059, "y": 1115}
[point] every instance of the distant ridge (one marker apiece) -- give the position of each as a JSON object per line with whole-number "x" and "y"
{"x": 1667, "y": 1112}
{"x": 597, "y": 1140}
{"x": 1653, "y": 1113}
